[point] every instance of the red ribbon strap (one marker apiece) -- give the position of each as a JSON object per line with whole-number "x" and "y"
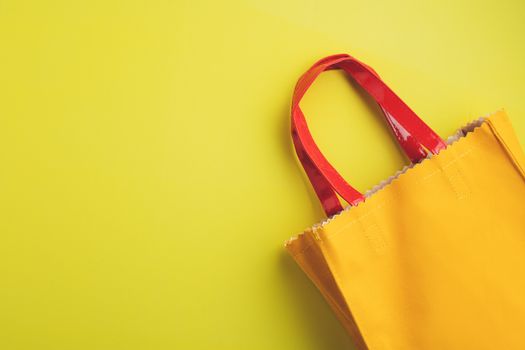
{"x": 414, "y": 136}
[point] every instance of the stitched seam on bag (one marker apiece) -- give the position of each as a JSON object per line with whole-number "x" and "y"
{"x": 446, "y": 165}
{"x": 373, "y": 233}
{"x": 457, "y": 181}
{"x": 507, "y": 148}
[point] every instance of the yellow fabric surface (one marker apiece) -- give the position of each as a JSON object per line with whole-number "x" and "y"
{"x": 435, "y": 259}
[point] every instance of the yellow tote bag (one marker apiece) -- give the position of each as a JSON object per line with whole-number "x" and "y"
{"x": 433, "y": 257}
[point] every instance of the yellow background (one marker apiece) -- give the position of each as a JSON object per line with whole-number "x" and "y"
{"x": 147, "y": 177}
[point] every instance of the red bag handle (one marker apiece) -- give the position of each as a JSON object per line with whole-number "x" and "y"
{"x": 414, "y": 151}
{"x": 415, "y": 136}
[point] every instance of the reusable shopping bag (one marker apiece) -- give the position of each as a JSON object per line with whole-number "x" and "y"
{"x": 434, "y": 256}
